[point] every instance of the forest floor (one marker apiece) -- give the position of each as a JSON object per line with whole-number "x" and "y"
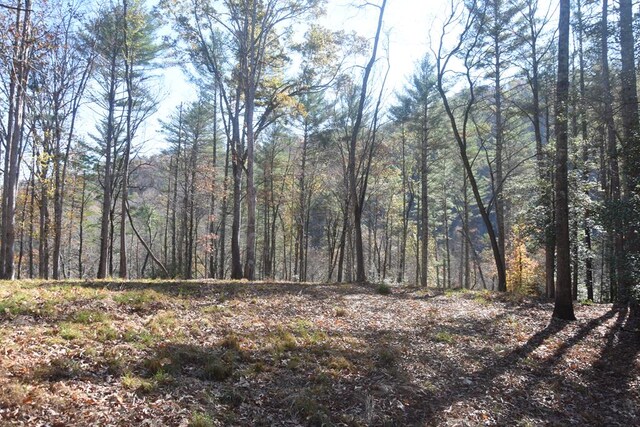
{"x": 208, "y": 353}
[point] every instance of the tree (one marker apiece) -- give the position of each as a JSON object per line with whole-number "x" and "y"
{"x": 357, "y": 197}
{"x": 630, "y": 155}
{"x": 20, "y": 65}
{"x": 250, "y": 74}
{"x": 59, "y": 86}
{"x": 563, "y": 308}
{"x": 415, "y": 108}
{"x": 118, "y": 52}
{"x": 466, "y": 47}
{"x": 138, "y": 51}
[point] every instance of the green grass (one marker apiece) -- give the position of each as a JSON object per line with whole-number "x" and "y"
{"x": 104, "y": 333}
{"x": 28, "y": 302}
{"x": 136, "y": 383}
{"x": 445, "y": 337}
{"x": 87, "y": 317}
{"x": 282, "y": 341}
{"x": 199, "y": 419}
{"x": 69, "y": 331}
{"x": 137, "y": 300}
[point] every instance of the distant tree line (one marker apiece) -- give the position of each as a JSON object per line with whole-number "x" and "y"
{"x": 510, "y": 160}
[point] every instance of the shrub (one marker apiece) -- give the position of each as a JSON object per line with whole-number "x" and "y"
{"x": 383, "y": 289}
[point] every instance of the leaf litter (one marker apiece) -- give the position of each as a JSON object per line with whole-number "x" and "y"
{"x": 238, "y": 353}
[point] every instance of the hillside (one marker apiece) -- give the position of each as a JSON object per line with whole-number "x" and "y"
{"x": 209, "y": 353}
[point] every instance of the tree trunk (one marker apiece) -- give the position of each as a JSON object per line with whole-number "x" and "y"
{"x": 355, "y": 134}
{"x": 107, "y": 187}
{"x": 630, "y": 152}
{"x": 563, "y": 308}
{"x": 15, "y": 125}
{"x": 124, "y": 197}
{"x": 223, "y": 213}
{"x": 424, "y": 183}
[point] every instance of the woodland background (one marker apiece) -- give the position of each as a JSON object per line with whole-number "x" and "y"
{"x": 295, "y": 163}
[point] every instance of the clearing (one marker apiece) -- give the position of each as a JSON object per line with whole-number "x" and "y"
{"x": 221, "y": 353}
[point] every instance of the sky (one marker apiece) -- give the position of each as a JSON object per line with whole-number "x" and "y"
{"x": 407, "y": 24}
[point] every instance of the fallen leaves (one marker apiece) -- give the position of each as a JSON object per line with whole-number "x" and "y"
{"x": 287, "y": 354}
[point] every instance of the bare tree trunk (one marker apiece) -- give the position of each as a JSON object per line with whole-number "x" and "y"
{"x": 107, "y": 185}
{"x": 563, "y": 308}
{"x": 124, "y": 197}
{"x": 613, "y": 189}
{"x": 213, "y": 239}
{"x": 588, "y": 263}
{"x": 447, "y": 282}
{"x": 424, "y": 182}
{"x": 21, "y": 65}
{"x": 460, "y": 134}
{"x": 83, "y": 203}
{"x": 499, "y": 135}
{"x": 302, "y": 214}
{"x": 43, "y": 246}
{"x": 355, "y": 134}
{"x": 630, "y": 152}
{"x": 223, "y": 221}
{"x": 405, "y": 212}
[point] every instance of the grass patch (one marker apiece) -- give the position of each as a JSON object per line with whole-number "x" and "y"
{"x": 163, "y": 324}
{"x": 218, "y": 368}
{"x": 231, "y": 342}
{"x": 114, "y": 364}
{"x": 483, "y": 297}
{"x": 69, "y": 331}
{"x": 387, "y": 356}
{"x": 137, "y": 300}
{"x": 232, "y": 397}
{"x": 141, "y": 338}
{"x": 59, "y": 369}
{"x": 13, "y": 394}
{"x": 339, "y": 363}
{"x": 216, "y": 309}
{"x": 104, "y": 333}
{"x": 282, "y": 341}
{"x": 445, "y": 337}
{"x": 383, "y": 289}
{"x": 139, "y": 384}
{"x": 30, "y": 303}
{"x": 307, "y": 332}
{"x": 455, "y": 291}
{"x": 340, "y": 312}
{"x": 306, "y": 406}
{"x": 198, "y": 419}
{"x": 87, "y": 317}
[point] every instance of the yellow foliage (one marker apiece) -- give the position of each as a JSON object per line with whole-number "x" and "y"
{"x": 523, "y": 272}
